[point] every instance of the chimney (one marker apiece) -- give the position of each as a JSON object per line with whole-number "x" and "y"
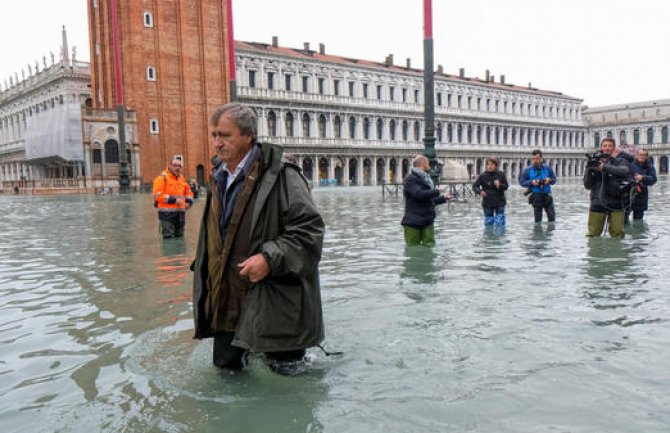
{"x": 306, "y": 44}
{"x": 389, "y": 60}
{"x": 275, "y": 41}
{"x": 409, "y": 63}
{"x": 440, "y": 69}
{"x": 461, "y": 72}
{"x": 502, "y": 79}
{"x": 493, "y": 78}
{"x": 530, "y": 85}
{"x": 322, "y": 49}
{"x": 488, "y": 75}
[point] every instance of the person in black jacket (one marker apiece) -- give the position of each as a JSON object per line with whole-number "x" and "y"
{"x": 491, "y": 186}
{"x": 605, "y": 180}
{"x": 644, "y": 175}
{"x": 421, "y": 197}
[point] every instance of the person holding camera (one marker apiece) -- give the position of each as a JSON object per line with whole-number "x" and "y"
{"x": 491, "y": 186}
{"x": 644, "y": 175}
{"x": 606, "y": 177}
{"x": 172, "y": 197}
{"x": 538, "y": 178}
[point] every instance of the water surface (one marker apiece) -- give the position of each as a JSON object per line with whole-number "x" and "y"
{"x": 534, "y": 329}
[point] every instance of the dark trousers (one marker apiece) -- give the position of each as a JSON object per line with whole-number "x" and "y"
{"x": 228, "y": 356}
{"x": 638, "y": 214}
{"x": 172, "y": 224}
{"x": 543, "y": 202}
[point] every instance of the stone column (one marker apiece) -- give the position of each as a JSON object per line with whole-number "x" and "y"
{"x": 398, "y": 171}
{"x": 87, "y": 161}
{"x": 315, "y": 171}
{"x": 373, "y": 172}
{"x": 102, "y": 164}
{"x": 331, "y": 168}
{"x": 359, "y": 171}
{"x": 345, "y": 172}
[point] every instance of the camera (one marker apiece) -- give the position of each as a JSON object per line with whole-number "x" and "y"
{"x": 594, "y": 159}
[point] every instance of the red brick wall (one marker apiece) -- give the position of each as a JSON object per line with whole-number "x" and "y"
{"x": 186, "y": 46}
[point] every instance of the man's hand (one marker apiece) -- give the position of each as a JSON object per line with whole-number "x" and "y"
{"x": 482, "y": 194}
{"x": 536, "y": 182}
{"x": 255, "y": 268}
{"x": 639, "y": 177}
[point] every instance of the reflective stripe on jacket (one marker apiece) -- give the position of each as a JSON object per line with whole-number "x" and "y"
{"x": 168, "y": 185}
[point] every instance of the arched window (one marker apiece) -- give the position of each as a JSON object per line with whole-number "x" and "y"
{"x": 380, "y": 129}
{"x": 505, "y": 136}
{"x": 337, "y": 124}
{"x": 272, "y": 124}
{"x": 438, "y": 131}
{"x": 496, "y": 135}
{"x": 514, "y": 136}
{"x": 305, "y": 125}
{"x": 148, "y": 19}
{"x": 596, "y": 139}
{"x": 405, "y": 130}
{"x": 479, "y": 134}
{"x": 469, "y": 133}
{"x": 392, "y": 129}
{"x": 151, "y": 73}
{"x": 153, "y": 126}
{"x": 636, "y": 136}
{"x": 417, "y": 131}
{"x": 366, "y": 128}
{"x": 322, "y": 126}
{"x": 650, "y": 135}
{"x": 622, "y": 137}
{"x": 488, "y": 135}
{"x": 450, "y": 133}
{"x": 352, "y": 127}
{"x": 664, "y": 135}
{"x": 111, "y": 152}
{"x": 459, "y": 133}
{"x": 288, "y": 124}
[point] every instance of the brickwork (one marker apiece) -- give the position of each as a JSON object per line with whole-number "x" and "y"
{"x": 186, "y": 47}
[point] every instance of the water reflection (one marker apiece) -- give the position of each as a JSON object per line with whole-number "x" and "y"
{"x": 419, "y": 265}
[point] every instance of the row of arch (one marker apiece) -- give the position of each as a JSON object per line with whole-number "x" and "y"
{"x": 13, "y": 126}
{"x": 379, "y": 128}
{"x": 623, "y": 135}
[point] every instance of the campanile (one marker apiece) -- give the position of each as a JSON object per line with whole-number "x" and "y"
{"x": 174, "y": 72}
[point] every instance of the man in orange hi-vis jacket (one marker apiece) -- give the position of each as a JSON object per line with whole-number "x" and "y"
{"x": 172, "y": 197}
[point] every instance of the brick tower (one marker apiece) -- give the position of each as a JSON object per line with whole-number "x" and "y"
{"x": 174, "y": 71}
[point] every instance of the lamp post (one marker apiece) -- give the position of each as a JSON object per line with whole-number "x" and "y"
{"x": 124, "y": 178}
{"x": 429, "y": 92}
{"x": 231, "y": 51}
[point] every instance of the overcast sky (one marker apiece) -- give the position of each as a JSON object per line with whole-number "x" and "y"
{"x": 603, "y": 51}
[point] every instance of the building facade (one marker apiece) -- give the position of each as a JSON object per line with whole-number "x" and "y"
{"x": 350, "y": 121}
{"x": 174, "y": 67}
{"x": 634, "y": 125}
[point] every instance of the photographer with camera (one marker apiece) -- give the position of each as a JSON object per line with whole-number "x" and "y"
{"x": 606, "y": 177}
{"x": 644, "y": 175}
{"x": 538, "y": 178}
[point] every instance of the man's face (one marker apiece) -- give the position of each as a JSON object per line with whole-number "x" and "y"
{"x": 537, "y": 160}
{"x": 490, "y": 166}
{"x": 642, "y": 156}
{"x": 229, "y": 143}
{"x": 425, "y": 165}
{"x": 175, "y": 167}
{"x": 607, "y": 147}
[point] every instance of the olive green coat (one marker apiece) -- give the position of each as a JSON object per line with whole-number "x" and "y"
{"x": 283, "y": 311}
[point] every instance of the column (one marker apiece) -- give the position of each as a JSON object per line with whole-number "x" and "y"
{"x": 315, "y": 171}
{"x": 387, "y": 169}
{"x": 345, "y": 172}
{"x": 103, "y": 163}
{"x": 373, "y": 171}
{"x": 138, "y": 172}
{"x": 331, "y": 167}
{"x": 359, "y": 171}
{"x": 398, "y": 171}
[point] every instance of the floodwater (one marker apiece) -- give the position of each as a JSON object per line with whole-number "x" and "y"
{"x": 537, "y": 329}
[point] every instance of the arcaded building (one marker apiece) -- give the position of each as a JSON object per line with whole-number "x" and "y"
{"x": 357, "y": 122}
{"x": 634, "y": 125}
{"x": 173, "y": 72}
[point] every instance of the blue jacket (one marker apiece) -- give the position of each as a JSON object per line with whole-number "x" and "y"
{"x": 530, "y": 173}
{"x": 420, "y": 202}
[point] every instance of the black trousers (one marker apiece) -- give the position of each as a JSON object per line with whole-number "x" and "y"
{"x": 228, "y": 356}
{"x": 172, "y": 224}
{"x": 543, "y": 202}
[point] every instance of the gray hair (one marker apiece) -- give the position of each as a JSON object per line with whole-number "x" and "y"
{"x": 242, "y": 115}
{"x": 418, "y": 160}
